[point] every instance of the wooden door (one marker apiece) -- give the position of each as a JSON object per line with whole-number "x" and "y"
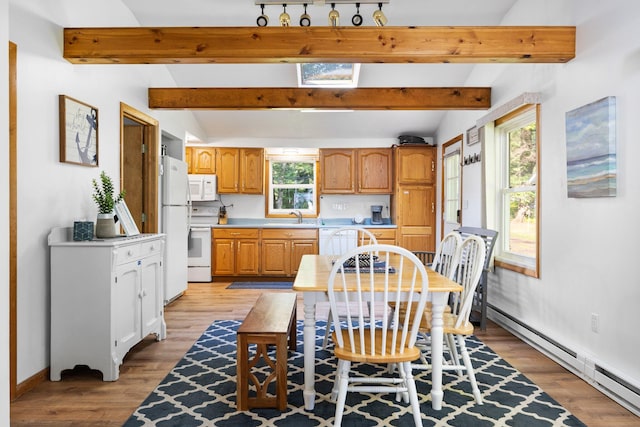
{"x": 252, "y": 170}
{"x": 139, "y": 166}
{"x": 228, "y": 170}
{"x": 133, "y": 170}
{"x": 374, "y": 170}
{"x": 337, "y": 171}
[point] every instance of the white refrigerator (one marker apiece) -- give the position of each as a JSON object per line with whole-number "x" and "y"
{"x": 176, "y": 218}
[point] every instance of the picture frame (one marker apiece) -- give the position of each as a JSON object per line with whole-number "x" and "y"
{"x": 591, "y": 149}
{"x": 472, "y": 136}
{"x": 126, "y": 220}
{"x": 78, "y": 132}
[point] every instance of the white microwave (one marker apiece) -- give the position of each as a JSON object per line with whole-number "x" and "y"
{"x": 203, "y": 187}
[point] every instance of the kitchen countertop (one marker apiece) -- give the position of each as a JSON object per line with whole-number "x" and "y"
{"x": 306, "y": 223}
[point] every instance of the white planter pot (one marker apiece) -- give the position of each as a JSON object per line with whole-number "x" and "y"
{"x": 106, "y": 226}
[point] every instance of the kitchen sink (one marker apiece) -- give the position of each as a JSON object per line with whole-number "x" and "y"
{"x": 290, "y": 224}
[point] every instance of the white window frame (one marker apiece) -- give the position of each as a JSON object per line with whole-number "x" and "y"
{"x": 507, "y": 259}
{"x": 271, "y": 210}
{"x": 452, "y": 163}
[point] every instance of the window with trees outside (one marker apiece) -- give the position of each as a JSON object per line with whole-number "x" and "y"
{"x": 518, "y": 148}
{"x": 292, "y": 186}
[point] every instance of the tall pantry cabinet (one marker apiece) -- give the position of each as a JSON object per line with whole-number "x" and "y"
{"x": 413, "y": 202}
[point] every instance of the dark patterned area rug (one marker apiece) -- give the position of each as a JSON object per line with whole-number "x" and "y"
{"x": 201, "y": 391}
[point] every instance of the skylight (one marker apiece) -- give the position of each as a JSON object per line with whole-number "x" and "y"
{"x": 328, "y": 75}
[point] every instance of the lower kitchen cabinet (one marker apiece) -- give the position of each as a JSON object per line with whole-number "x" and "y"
{"x": 282, "y": 249}
{"x": 235, "y": 251}
{"x": 106, "y": 296}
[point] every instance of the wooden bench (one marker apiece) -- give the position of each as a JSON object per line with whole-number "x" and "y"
{"x": 271, "y": 321}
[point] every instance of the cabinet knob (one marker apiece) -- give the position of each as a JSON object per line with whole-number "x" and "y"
{"x": 129, "y": 252}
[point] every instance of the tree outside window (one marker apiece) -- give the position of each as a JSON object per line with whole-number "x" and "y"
{"x": 292, "y": 186}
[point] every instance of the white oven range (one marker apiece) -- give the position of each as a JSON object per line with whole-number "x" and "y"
{"x": 199, "y": 255}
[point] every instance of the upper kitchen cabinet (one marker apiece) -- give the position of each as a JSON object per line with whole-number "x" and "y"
{"x": 374, "y": 170}
{"x": 251, "y": 170}
{"x": 353, "y": 171}
{"x": 201, "y": 160}
{"x": 416, "y": 165}
{"x": 337, "y": 171}
{"x": 240, "y": 170}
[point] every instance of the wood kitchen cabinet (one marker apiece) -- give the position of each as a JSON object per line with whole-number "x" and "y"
{"x": 282, "y": 249}
{"x": 374, "y": 170}
{"x": 356, "y": 170}
{"x": 251, "y": 170}
{"x": 416, "y": 217}
{"x": 202, "y": 160}
{"x": 337, "y": 171}
{"x": 384, "y": 236}
{"x": 413, "y": 201}
{"x": 106, "y": 296}
{"x": 240, "y": 170}
{"x": 235, "y": 251}
{"x": 415, "y": 165}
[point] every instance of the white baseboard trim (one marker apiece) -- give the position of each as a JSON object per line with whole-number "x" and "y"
{"x": 614, "y": 386}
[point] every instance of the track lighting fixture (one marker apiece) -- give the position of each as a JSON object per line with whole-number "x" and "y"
{"x": 263, "y": 19}
{"x": 357, "y": 18}
{"x": 378, "y": 17}
{"x": 334, "y": 16}
{"x": 285, "y": 19}
{"x": 305, "y": 20}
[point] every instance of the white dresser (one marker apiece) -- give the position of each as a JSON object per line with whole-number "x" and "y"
{"x": 106, "y": 296}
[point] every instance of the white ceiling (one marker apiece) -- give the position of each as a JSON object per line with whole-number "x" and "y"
{"x": 294, "y": 124}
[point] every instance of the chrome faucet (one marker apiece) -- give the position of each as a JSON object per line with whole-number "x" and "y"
{"x": 297, "y": 214}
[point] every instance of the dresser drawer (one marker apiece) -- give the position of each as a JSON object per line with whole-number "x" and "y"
{"x": 127, "y": 253}
{"x": 150, "y": 248}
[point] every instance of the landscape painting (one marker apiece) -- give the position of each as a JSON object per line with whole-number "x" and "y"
{"x": 591, "y": 149}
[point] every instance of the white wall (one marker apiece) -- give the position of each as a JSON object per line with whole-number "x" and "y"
{"x": 588, "y": 253}
{"x": 50, "y": 193}
{"x": 4, "y": 215}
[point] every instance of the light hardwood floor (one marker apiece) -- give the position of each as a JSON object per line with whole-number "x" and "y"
{"x": 82, "y": 399}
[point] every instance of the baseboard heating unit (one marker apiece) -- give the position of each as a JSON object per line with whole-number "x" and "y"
{"x": 611, "y": 384}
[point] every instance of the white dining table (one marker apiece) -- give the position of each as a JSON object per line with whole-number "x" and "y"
{"x": 312, "y": 280}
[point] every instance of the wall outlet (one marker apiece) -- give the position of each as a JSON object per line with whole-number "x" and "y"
{"x": 595, "y": 322}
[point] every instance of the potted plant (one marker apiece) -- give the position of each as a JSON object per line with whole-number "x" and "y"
{"x": 103, "y": 195}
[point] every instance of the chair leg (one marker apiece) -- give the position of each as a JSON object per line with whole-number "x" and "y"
{"x": 327, "y": 330}
{"x": 453, "y": 352}
{"x": 469, "y": 368}
{"x": 343, "y": 382}
{"x": 336, "y": 382}
{"x": 413, "y": 393}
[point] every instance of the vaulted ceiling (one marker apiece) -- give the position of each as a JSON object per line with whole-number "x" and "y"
{"x": 284, "y": 124}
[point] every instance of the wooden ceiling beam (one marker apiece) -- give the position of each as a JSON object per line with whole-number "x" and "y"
{"x": 456, "y": 98}
{"x": 204, "y": 45}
